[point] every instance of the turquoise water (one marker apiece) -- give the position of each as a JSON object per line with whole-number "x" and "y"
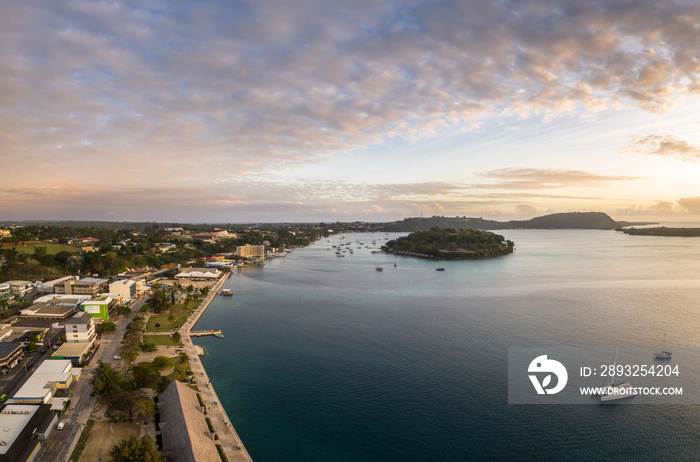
{"x": 326, "y": 359}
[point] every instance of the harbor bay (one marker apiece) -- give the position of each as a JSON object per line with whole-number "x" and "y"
{"x": 324, "y": 358}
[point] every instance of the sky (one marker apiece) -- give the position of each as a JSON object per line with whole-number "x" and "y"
{"x": 369, "y": 110}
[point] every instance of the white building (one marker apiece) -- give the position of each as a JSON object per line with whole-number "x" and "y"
{"x": 251, "y": 251}
{"x": 126, "y": 288}
{"x": 199, "y": 273}
{"x": 80, "y": 328}
{"x": 52, "y": 375}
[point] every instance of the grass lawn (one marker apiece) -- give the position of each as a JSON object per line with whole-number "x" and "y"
{"x": 162, "y": 319}
{"x": 159, "y": 340}
{"x": 51, "y": 248}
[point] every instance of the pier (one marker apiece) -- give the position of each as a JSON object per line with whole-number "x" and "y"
{"x": 200, "y": 333}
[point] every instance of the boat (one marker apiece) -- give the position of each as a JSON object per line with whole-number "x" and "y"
{"x": 439, "y": 268}
{"x": 226, "y": 292}
{"x": 616, "y": 392}
{"x": 395, "y": 265}
{"x": 664, "y": 353}
{"x": 379, "y": 268}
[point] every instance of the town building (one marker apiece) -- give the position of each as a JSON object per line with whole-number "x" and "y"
{"x": 24, "y": 427}
{"x": 99, "y": 308}
{"x": 85, "y": 286}
{"x": 11, "y": 353}
{"x": 198, "y": 273}
{"x": 251, "y": 251}
{"x": 20, "y": 288}
{"x": 49, "y": 287}
{"x": 6, "y": 293}
{"x": 52, "y": 375}
{"x": 80, "y": 328}
{"x": 76, "y": 352}
{"x": 183, "y": 426}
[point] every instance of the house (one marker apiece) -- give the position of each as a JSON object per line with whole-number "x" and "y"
{"x": 99, "y": 308}
{"x": 52, "y": 375}
{"x": 24, "y": 427}
{"x": 183, "y": 426}
{"x": 80, "y": 328}
{"x": 199, "y": 273}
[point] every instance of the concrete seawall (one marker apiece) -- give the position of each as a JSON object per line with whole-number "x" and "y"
{"x": 228, "y": 438}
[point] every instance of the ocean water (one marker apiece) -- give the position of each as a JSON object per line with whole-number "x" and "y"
{"x": 326, "y": 359}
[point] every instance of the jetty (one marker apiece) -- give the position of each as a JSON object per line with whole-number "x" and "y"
{"x": 229, "y": 440}
{"x": 200, "y": 333}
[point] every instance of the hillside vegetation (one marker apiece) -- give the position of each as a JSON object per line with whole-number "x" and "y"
{"x": 451, "y": 244}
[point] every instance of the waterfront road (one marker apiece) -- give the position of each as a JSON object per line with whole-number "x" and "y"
{"x": 228, "y": 438}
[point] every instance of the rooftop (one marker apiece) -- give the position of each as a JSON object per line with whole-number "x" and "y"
{"x": 7, "y": 348}
{"x": 79, "y": 318}
{"x": 13, "y": 420}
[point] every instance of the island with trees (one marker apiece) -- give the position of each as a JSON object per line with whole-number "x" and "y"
{"x": 450, "y": 244}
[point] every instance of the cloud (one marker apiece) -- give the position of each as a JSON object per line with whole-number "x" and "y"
{"x": 533, "y": 178}
{"x": 426, "y": 209}
{"x": 187, "y": 88}
{"x": 691, "y": 204}
{"x": 659, "y": 208}
{"x": 527, "y": 210}
{"x": 376, "y": 208}
{"x": 666, "y": 145}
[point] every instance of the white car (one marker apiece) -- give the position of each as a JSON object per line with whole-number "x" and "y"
{"x": 60, "y": 425}
{"x": 117, "y": 357}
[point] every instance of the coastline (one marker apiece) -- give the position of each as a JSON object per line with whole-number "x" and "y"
{"x": 228, "y": 437}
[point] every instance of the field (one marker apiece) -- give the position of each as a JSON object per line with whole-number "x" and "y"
{"x": 162, "y": 319}
{"x": 51, "y": 248}
{"x": 159, "y": 340}
{"x": 97, "y": 447}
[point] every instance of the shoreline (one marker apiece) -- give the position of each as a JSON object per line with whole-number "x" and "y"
{"x": 228, "y": 437}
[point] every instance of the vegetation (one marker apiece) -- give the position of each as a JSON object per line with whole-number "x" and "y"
{"x": 120, "y": 390}
{"x": 662, "y": 231}
{"x": 106, "y": 327}
{"x": 450, "y": 244}
{"x": 135, "y": 448}
{"x": 572, "y": 220}
{"x": 75, "y": 455}
{"x": 43, "y": 251}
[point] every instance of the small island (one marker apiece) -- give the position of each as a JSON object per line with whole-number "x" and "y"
{"x": 450, "y": 244}
{"x": 662, "y": 231}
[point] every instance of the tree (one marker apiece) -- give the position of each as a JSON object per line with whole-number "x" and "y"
{"x": 184, "y": 360}
{"x": 106, "y": 379}
{"x": 162, "y": 384}
{"x": 204, "y": 291}
{"x": 106, "y": 327}
{"x": 134, "y": 448}
{"x": 150, "y": 346}
{"x": 172, "y": 318}
{"x": 177, "y": 337}
{"x": 161, "y": 362}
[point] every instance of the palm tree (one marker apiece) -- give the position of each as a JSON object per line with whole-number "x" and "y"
{"x": 184, "y": 360}
{"x": 177, "y": 337}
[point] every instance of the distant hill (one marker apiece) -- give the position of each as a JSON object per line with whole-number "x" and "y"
{"x": 570, "y": 220}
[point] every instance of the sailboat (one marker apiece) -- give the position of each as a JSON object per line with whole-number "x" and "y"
{"x": 664, "y": 353}
{"x": 615, "y": 392}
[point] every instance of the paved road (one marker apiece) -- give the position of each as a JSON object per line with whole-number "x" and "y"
{"x": 60, "y": 443}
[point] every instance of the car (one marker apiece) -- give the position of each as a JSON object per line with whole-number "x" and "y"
{"x": 117, "y": 357}
{"x": 43, "y": 350}
{"x": 92, "y": 393}
{"x": 3, "y": 398}
{"x": 60, "y": 425}
{"x": 56, "y": 347}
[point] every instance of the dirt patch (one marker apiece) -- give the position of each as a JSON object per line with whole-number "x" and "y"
{"x": 102, "y": 439}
